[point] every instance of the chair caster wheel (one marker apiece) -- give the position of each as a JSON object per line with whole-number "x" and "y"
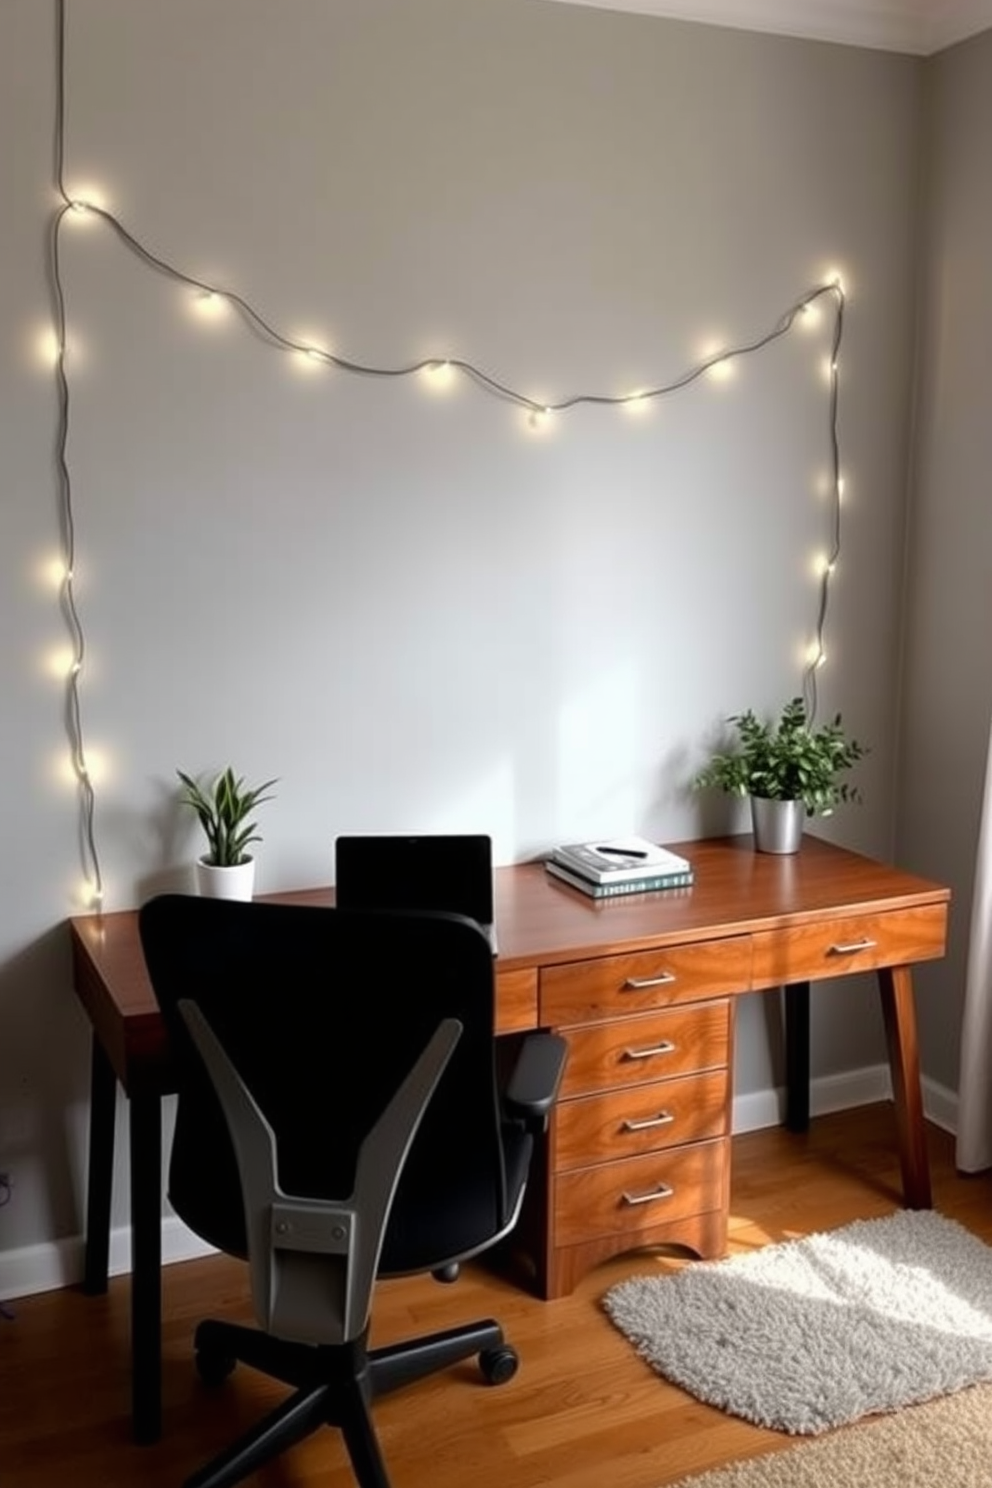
{"x": 499, "y": 1364}
{"x": 448, "y": 1273}
{"x": 214, "y": 1368}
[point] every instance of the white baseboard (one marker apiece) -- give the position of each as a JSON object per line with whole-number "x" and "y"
{"x": 940, "y": 1105}
{"x": 59, "y": 1263}
{"x": 861, "y": 1087}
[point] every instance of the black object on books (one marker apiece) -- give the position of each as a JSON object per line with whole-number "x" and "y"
{"x": 640, "y": 885}
{"x": 619, "y": 860}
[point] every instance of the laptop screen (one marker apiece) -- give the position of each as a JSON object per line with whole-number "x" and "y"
{"x": 441, "y": 872}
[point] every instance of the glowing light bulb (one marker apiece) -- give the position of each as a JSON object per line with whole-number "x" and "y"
{"x": 52, "y": 573}
{"x": 89, "y": 895}
{"x": 208, "y": 304}
{"x": 540, "y": 419}
{"x": 47, "y": 349}
{"x": 85, "y": 208}
{"x": 438, "y": 376}
{"x": 61, "y": 663}
{"x": 636, "y": 404}
{"x": 810, "y": 316}
{"x": 840, "y": 488}
{"x": 87, "y": 199}
{"x": 310, "y": 358}
{"x": 74, "y": 769}
{"x": 721, "y": 371}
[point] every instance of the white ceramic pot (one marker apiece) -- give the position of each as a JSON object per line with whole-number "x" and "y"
{"x": 778, "y": 825}
{"x": 236, "y": 882}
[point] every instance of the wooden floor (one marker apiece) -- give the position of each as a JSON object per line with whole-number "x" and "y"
{"x": 583, "y": 1412}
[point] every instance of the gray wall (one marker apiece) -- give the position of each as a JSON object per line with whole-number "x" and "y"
{"x": 411, "y": 608}
{"x": 948, "y": 696}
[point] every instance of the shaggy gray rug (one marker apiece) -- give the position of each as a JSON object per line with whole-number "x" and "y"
{"x": 814, "y": 1333}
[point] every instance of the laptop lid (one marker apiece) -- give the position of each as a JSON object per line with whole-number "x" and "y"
{"x": 451, "y": 872}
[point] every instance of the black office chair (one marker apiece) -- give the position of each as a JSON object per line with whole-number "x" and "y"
{"x": 338, "y": 1120}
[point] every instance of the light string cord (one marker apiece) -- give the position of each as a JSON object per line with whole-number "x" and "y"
{"x": 817, "y": 655}
{"x": 67, "y": 519}
{"x": 265, "y": 330}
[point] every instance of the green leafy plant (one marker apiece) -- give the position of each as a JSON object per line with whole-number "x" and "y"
{"x": 787, "y": 761}
{"x": 223, "y": 809}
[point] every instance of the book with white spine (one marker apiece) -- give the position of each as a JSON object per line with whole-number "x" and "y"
{"x": 619, "y": 859}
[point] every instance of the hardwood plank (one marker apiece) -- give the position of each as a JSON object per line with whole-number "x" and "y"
{"x": 583, "y": 1412}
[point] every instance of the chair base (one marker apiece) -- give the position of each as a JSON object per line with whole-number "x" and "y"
{"x": 333, "y": 1386}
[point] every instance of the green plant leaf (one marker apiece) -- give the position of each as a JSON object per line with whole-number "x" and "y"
{"x": 222, "y": 809}
{"x": 786, "y": 760}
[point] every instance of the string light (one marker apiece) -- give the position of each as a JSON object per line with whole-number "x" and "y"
{"x": 540, "y": 419}
{"x": 438, "y": 376}
{"x": 212, "y": 299}
{"x": 66, "y": 585}
{"x": 208, "y": 305}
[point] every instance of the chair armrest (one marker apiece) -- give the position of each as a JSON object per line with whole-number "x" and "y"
{"x": 532, "y": 1088}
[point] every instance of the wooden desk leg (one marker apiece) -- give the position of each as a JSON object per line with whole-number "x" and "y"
{"x": 103, "y": 1109}
{"x": 797, "y": 1057}
{"x": 899, "y": 1012}
{"x": 146, "y": 1266}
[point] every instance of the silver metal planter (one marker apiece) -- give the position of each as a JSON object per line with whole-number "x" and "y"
{"x": 778, "y": 825}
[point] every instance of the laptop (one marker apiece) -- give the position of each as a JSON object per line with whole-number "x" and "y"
{"x": 452, "y": 872}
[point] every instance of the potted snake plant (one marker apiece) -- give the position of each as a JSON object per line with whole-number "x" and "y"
{"x": 788, "y": 769}
{"x": 226, "y": 870}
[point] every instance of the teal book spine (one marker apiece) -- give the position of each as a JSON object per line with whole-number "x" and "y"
{"x": 650, "y": 885}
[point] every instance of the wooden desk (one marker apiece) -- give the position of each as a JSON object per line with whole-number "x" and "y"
{"x": 644, "y": 988}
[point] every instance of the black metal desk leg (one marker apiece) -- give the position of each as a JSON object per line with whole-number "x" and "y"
{"x": 797, "y": 1057}
{"x": 146, "y": 1266}
{"x": 103, "y": 1108}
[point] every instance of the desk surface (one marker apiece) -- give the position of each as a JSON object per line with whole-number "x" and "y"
{"x": 541, "y": 921}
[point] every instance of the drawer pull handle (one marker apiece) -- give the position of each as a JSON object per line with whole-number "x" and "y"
{"x": 663, "y": 1191}
{"x": 638, "y": 984}
{"x": 665, "y": 1047}
{"x": 852, "y": 947}
{"x": 663, "y": 1118}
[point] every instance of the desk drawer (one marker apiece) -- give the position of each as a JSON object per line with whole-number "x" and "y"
{"x": 642, "y": 1192}
{"x": 646, "y": 1118}
{"x": 634, "y": 1051}
{"x": 615, "y": 986}
{"x": 841, "y": 947}
{"x": 516, "y": 1000}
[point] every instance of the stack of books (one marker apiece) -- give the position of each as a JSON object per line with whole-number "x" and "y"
{"x": 621, "y": 865}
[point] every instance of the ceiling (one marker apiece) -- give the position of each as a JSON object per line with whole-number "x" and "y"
{"x": 920, "y": 26}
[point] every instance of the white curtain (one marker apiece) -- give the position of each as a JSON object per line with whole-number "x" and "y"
{"x": 974, "y": 1142}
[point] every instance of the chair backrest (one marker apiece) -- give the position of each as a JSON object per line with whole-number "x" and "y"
{"x": 323, "y": 1012}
